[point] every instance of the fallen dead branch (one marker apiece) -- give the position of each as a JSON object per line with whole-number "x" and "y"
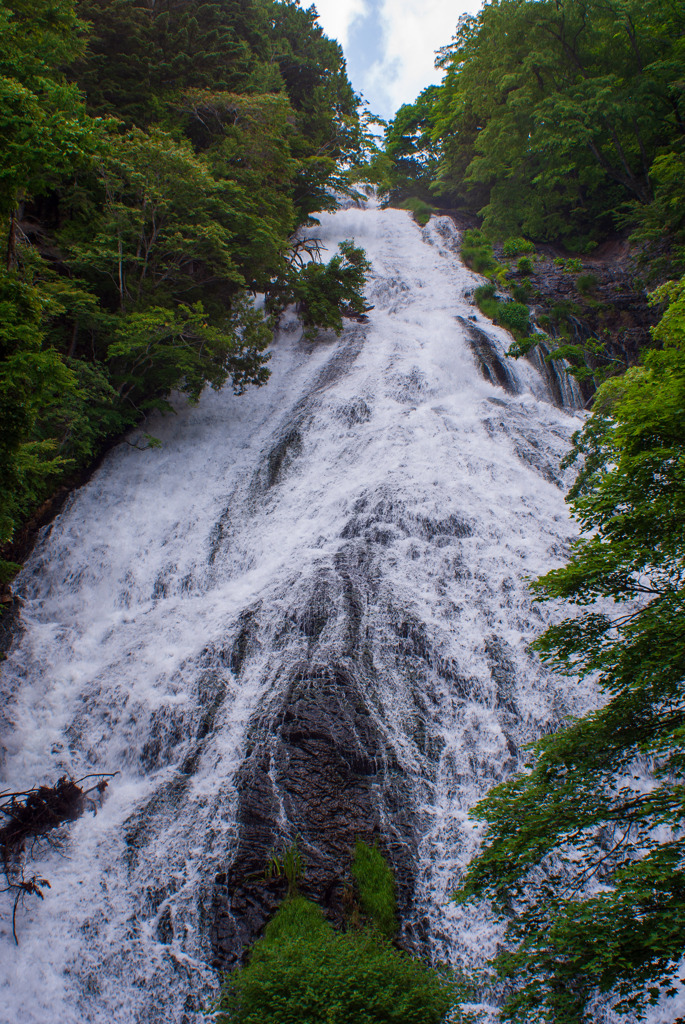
{"x": 32, "y": 814}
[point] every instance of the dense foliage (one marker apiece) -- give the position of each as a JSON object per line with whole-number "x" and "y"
{"x": 584, "y": 854}
{"x": 410, "y": 157}
{"x": 554, "y": 117}
{"x": 303, "y": 970}
{"x": 155, "y": 160}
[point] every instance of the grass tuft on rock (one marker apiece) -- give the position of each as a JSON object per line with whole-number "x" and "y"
{"x": 375, "y": 888}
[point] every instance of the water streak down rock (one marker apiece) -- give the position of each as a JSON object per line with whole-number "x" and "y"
{"x": 305, "y": 614}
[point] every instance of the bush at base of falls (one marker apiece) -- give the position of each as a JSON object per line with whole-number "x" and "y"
{"x": 301, "y": 970}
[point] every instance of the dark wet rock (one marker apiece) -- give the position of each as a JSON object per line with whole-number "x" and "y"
{"x": 320, "y": 764}
{"x": 165, "y": 927}
{"x": 347, "y": 350}
{"x": 488, "y": 359}
{"x": 388, "y": 519}
{"x": 606, "y": 300}
{"x": 282, "y": 455}
{"x": 356, "y": 412}
{"x": 11, "y": 626}
{"x": 241, "y": 646}
{"x": 503, "y": 673}
{"x": 319, "y": 609}
{"x": 553, "y": 371}
{"x": 167, "y": 729}
{"x": 528, "y": 446}
{"x": 148, "y": 820}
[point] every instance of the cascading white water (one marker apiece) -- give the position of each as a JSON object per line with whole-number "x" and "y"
{"x": 377, "y": 506}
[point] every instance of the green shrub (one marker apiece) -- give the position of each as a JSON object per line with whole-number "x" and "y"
{"x": 573, "y": 265}
{"x": 303, "y": 972}
{"x": 563, "y": 309}
{"x": 484, "y": 291}
{"x": 521, "y": 291}
{"x": 514, "y": 316}
{"x": 522, "y": 346}
{"x": 476, "y": 252}
{"x": 586, "y": 283}
{"x": 289, "y": 865}
{"x": 474, "y": 236}
{"x": 375, "y": 888}
{"x": 324, "y": 290}
{"x": 485, "y": 300}
{"x": 525, "y": 265}
{"x": 516, "y": 247}
{"x": 421, "y": 210}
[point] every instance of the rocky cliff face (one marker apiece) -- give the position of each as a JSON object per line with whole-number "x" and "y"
{"x": 582, "y": 301}
{"x": 319, "y": 765}
{"x": 601, "y": 297}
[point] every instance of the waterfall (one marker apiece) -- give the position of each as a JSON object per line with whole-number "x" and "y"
{"x": 305, "y": 614}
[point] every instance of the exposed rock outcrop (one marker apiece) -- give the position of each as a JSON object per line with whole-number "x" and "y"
{"x": 318, "y": 765}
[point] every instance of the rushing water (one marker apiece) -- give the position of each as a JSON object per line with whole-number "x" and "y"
{"x": 374, "y": 512}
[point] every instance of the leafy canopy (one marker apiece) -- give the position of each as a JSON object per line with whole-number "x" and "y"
{"x": 554, "y": 117}
{"x": 155, "y": 160}
{"x": 584, "y": 853}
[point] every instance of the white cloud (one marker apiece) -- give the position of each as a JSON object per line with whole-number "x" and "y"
{"x": 413, "y": 32}
{"x": 337, "y": 16}
{"x": 404, "y": 51}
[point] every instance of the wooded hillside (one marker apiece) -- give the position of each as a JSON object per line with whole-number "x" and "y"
{"x": 155, "y": 159}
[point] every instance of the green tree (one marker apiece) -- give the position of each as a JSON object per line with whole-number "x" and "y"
{"x": 247, "y": 144}
{"x": 32, "y": 377}
{"x": 155, "y": 160}
{"x": 327, "y": 292}
{"x": 409, "y": 145}
{"x": 142, "y": 57}
{"x": 552, "y": 112}
{"x": 44, "y": 134}
{"x": 162, "y": 224}
{"x": 44, "y": 131}
{"x": 583, "y": 853}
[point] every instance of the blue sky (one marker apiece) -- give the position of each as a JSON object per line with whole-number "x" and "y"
{"x": 390, "y": 44}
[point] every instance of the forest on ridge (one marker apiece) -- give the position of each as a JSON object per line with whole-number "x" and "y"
{"x": 155, "y": 160}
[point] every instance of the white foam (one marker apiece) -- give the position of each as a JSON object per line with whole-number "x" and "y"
{"x": 133, "y": 597}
